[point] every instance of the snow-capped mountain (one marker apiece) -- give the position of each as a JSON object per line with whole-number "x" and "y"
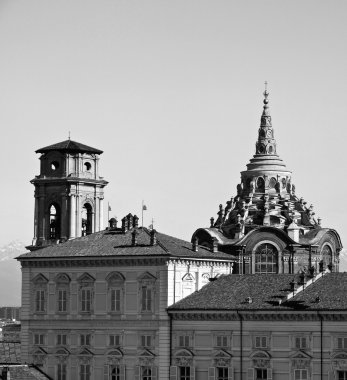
{"x": 10, "y": 274}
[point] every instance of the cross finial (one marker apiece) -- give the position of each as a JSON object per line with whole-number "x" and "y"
{"x": 265, "y": 85}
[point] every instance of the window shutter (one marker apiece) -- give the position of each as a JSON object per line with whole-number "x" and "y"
{"x": 230, "y": 373}
{"x": 122, "y": 372}
{"x": 269, "y": 374}
{"x": 106, "y": 372}
{"x": 250, "y": 374}
{"x": 211, "y": 373}
{"x": 137, "y": 372}
{"x": 154, "y": 373}
{"x": 192, "y": 373}
{"x": 173, "y": 372}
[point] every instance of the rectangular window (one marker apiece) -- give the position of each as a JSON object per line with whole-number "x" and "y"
{"x": 300, "y": 374}
{"x": 39, "y": 339}
{"x": 260, "y": 342}
{"x": 114, "y": 372}
{"x": 85, "y": 339}
{"x": 115, "y": 340}
{"x": 61, "y": 371}
{"x": 40, "y": 300}
{"x": 61, "y": 340}
{"x": 261, "y": 374}
{"x": 115, "y": 299}
{"x": 85, "y": 372}
{"x": 342, "y": 343}
{"x": 222, "y": 373}
{"x": 301, "y": 342}
{"x": 146, "y": 373}
{"x": 184, "y": 373}
{"x": 341, "y": 375}
{"x": 146, "y": 340}
{"x": 222, "y": 341}
{"x": 62, "y": 300}
{"x": 146, "y": 294}
{"x": 86, "y": 300}
{"x": 184, "y": 341}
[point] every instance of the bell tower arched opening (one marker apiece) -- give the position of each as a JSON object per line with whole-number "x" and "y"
{"x": 87, "y": 219}
{"x": 54, "y": 221}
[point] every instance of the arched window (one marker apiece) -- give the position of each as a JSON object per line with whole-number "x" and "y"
{"x": 261, "y": 184}
{"x": 87, "y": 219}
{"x": 266, "y": 259}
{"x": 54, "y": 222}
{"x": 327, "y": 255}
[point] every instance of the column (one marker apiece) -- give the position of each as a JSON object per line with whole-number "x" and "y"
{"x": 72, "y": 216}
{"x": 101, "y": 214}
{"x": 63, "y": 218}
{"x": 36, "y": 220}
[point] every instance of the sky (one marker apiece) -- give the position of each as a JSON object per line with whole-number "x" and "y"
{"x": 171, "y": 91}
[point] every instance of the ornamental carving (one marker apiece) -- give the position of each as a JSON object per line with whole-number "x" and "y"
{"x": 261, "y": 363}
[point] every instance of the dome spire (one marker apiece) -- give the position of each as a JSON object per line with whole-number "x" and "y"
{"x": 266, "y": 143}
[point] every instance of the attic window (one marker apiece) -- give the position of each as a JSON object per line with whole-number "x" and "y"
{"x": 87, "y": 166}
{"x": 54, "y": 165}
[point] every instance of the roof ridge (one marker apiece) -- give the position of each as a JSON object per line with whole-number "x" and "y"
{"x": 303, "y": 287}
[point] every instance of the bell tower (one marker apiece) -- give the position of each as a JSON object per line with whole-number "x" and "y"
{"x": 68, "y": 193}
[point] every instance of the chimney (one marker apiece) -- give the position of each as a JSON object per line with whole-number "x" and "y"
{"x": 134, "y": 237}
{"x": 113, "y": 223}
{"x": 129, "y": 221}
{"x": 124, "y": 225}
{"x": 135, "y": 221}
{"x": 214, "y": 245}
{"x": 195, "y": 244}
{"x": 293, "y": 285}
{"x": 293, "y": 232}
{"x": 153, "y": 237}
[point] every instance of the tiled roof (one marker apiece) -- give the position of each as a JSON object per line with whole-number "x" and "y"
{"x": 230, "y": 293}
{"x": 10, "y": 352}
{"x": 69, "y": 146}
{"x": 116, "y": 243}
{"x": 24, "y": 372}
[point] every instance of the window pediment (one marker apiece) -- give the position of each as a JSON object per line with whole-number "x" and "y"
{"x": 62, "y": 352}
{"x": 147, "y": 277}
{"x": 184, "y": 353}
{"x": 62, "y": 278}
{"x": 146, "y": 354}
{"x": 260, "y": 355}
{"x": 222, "y": 354}
{"x": 40, "y": 279}
{"x": 115, "y": 353}
{"x": 85, "y": 352}
{"x": 188, "y": 277}
{"x": 300, "y": 355}
{"x": 86, "y": 278}
{"x": 39, "y": 351}
{"x": 115, "y": 278}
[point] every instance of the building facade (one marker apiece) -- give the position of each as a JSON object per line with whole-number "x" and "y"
{"x": 94, "y": 301}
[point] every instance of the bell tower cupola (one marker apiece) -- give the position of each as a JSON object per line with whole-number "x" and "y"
{"x": 68, "y": 193}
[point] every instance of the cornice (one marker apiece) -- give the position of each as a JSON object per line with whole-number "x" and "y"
{"x": 52, "y": 262}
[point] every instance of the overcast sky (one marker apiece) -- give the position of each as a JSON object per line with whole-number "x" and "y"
{"x": 171, "y": 91}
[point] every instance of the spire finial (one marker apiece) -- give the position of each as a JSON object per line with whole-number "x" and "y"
{"x": 266, "y": 94}
{"x": 69, "y": 135}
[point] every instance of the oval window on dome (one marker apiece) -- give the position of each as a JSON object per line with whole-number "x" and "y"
{"x": 261, "y": 149}
{"x": 260, "y": 184}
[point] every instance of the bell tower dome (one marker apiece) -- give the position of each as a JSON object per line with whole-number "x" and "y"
{"x": 68, "y": 193}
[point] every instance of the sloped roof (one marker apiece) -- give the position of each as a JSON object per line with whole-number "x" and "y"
{"x": 69, "y": 146}
{"x": 230, "y": 293}
{"x": 25, "y": 372}
{"x": 118, "y": 244}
